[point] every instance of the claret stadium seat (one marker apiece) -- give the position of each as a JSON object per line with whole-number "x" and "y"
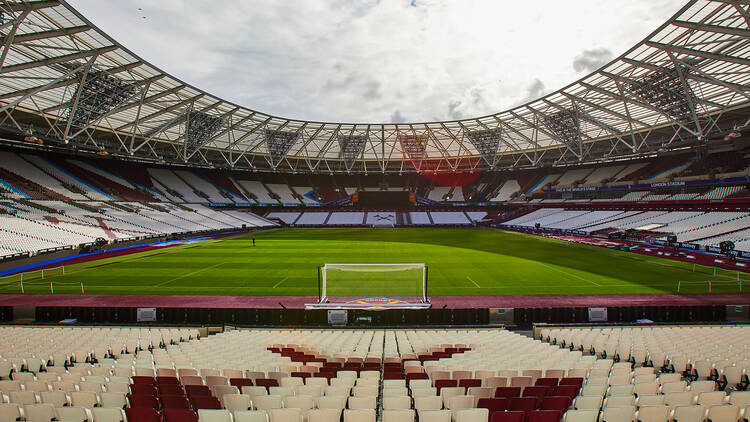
{"x": 179, "y": 415}
{"x": 143, "y": 415}
{"x": 508, "y": 416}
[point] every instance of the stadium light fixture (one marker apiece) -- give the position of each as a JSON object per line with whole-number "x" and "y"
{"x": 487, "y": 143}
{"x": 351, "y": 146}
{"x": 566, "y": 127}
{"x": 279, "y": 143}
{"x": 665, "y": 90}
{"x": 199, "y": 128}
{"x": 414, "y": 148}
{"x": 99, "y": 93}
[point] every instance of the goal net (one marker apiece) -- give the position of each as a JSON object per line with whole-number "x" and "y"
{"x": 405, "y": 282}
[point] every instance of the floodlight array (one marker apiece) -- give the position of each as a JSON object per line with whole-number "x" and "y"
{"x": 279, "y": 143}
{"x": 200, "y": 127}
{"x": 666, "y": 91}
{"x": 414, "y": 145}
{"x": 486, "y": 142}
{"x": 566, "y": 127}
{"x": 351, "y": 147}
{"x": 99, "y": 94}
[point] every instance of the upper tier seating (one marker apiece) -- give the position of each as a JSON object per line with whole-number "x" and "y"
{"x": 257, "y": 189}
{"x": 628, "y": 170}
{"x": 114, "y": 183}
{"x": 303, "y": 191}
{"x": 547, "y": 180}
{"x": 286, "y": 196}
{"x": 438, "y": 193}
{"x": 173, "y": 182}
{"x": 601, "y": 174}
{"x": 509, "y": 188}
{"x": 227, "y": 186}
{"x": 203, "y": 186}
{"x": 572, "y": 176}
{"x": 19, "y": 166}
{"x": 67, "y": 178}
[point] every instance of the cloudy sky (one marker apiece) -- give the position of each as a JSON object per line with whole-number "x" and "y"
{"x": 378, "y": 60}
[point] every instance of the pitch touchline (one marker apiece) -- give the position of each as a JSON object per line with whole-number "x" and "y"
{"x": 192, "y": 273}
{"x": 605, "y": 251}
{"x": 282, "y": 280}
{"x": 475, "y": 283}
{"x": 572, "y": 275}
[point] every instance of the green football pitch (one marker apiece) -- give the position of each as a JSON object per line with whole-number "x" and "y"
{"x": 460, "y": 262}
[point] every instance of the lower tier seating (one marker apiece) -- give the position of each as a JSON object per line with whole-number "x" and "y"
{"x": 690, "y": 374}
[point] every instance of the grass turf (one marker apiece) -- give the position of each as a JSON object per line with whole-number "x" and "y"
{"x": 460, "y": 261}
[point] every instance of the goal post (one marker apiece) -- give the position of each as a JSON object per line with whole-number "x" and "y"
{"x": 41, "y": 277}
{"x": 396, "y": 285}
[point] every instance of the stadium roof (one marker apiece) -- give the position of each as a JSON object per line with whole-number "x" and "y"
{"x": 66, "y": 83}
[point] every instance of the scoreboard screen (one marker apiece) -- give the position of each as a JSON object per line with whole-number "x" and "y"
{"x": 376, "y": 199}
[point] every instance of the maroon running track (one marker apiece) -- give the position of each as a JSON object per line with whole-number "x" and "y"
{"x": 450, "y": 302}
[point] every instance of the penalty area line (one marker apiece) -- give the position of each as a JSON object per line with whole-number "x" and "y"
{"x": 279, "y": 283}
{"x": 475, "y": 283}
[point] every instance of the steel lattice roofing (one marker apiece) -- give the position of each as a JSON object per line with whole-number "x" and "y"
{"x": 674, "y": 86}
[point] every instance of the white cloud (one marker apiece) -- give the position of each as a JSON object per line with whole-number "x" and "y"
{"x": 535, "y": 90}
{"x": 371, "y": 60}
{"x": 397, "y": 117}
{"x": 590, "y": 60}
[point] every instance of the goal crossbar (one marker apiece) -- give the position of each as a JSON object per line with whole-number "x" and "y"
{"x": 370, "y": 285}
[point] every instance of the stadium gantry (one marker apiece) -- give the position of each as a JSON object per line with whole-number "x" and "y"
{"x": 66, "y": 85}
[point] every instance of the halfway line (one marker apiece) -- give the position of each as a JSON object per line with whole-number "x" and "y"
{"x": 475, "y": 283}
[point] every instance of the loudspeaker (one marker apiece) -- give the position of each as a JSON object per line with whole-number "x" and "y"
{"x": 672, "y": 238}
{"x": 537, "y": 226}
